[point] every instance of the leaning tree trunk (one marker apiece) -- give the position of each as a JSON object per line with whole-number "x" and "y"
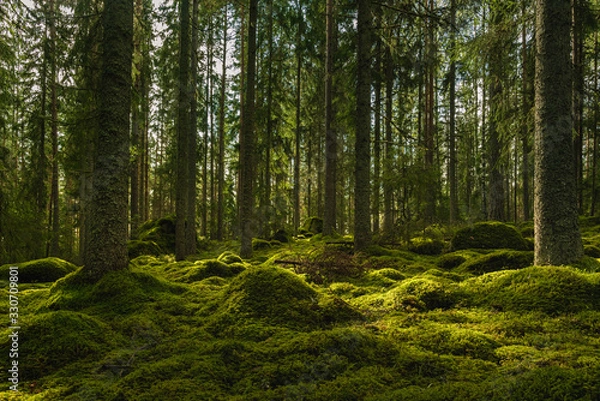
{"x": 106, "y": 249}
{"x": 557, "y": 236}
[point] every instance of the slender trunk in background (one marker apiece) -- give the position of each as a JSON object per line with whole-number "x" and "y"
{"x": 577, "y": 51}
{"x": 246, "y": 195}
{"x": 429, "y": 129}
{"x": 452, "y": 178}
{"x": 183, "y": 134}
{"x": 191, "y": 212}
{"x": 388, "y": 190}
{"x": 362, "y": 146}
{"x": 526, "y": 108}
{"x": 329, "y": 217}
{"x": 298, "y": 124}
{"x": 221, "y": 153}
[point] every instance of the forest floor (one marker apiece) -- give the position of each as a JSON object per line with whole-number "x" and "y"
{"x": 308, "y": 320}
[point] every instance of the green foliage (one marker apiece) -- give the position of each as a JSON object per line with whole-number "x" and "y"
{"x": 489, "y": 235}
{"x": 498, "y": 260}
{"x": 212, "y": 267}
{"x": 229, "y": 257}
{"x": 40, "y": 270}
{"x": 548, "y": 289}
{"x": 426, "y": 246}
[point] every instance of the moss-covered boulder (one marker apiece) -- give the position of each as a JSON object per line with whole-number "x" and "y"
{"x": 275, "y": 296}
{"x": 312, "y": 226}
{"x": 212, "y": 268}
{"x": 489, "y": 235}
{"x": 229, "y": 257}
{"x": 425, "y": 293}
{"x": 549, "y": 289}
{"x": 498, "y": 260}
{"x": 426, "y": 246}
{"x": 138, "y": 247}
{"x": 39, "y": 270}
{"x": 259, "y": 243}
{"x": 450, "y": 261}
{"x": 282, "y": 236}
{"x": 161, "y": 232}
{"x": 50, "y": 341}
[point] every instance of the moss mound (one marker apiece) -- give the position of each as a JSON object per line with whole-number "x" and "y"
{"x": 312, "y": 226}
{"x": 50, "y": 341}
{"x": 259, "y": 243}
{"x": 161, "y": 232}
{"x": 118, "y": 292}
{"x": 278, "y": 297}
{"x": 548, "y": 289}
{"x": 499, "y": 260}
{"x": 450, "y": 261}
{"x": 229, "y": 257}
{"x": 40, "y": 270}
{"x": 212, "y": 268}
{"x": 138, "y": 247}
{"x": 426, "y": 246}
{"x": 489, "y": 235}
{"x": 425, "y": 293}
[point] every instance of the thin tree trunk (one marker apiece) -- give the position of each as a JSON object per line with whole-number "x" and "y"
{"x": 331, "y": 151}
{"x": 362, "y": 146}
{"x": 578, "y": 93}
{"x": 388, "y": 191}
{"x": 190, "y": 234}
{"x": 452, "y": 178}
{"x": 246, "y": 195}
{"x": 298, "y": 125}
{"x": 183, "y": 135}
{"x": 221, "y": 154}
{"x": 526, "y": 108}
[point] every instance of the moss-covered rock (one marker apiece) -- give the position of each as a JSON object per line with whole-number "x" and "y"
{"x": 161, "y": 232}
{"x": 229, "y": 257}
{"x": 50, "y": 341}
{"x": 498, "y": 260}
{"x": 426, "y": 246}
{"x": 450, "y": 261}
{"x": 312, "y": 225}
{"x": 489, "y": 235}
{"x": 282, "y": 236}
{"x": 138, "y": 247}
{"x": 275, "y": 296}
{"x": 258, "y": 244}
{"x": 212, "y": 267}
{"x": 549, "y": 289}
{"x": 39, "y": 270}
{"x": 425, "y": 293}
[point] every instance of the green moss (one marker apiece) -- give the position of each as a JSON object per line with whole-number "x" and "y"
{"x": 548, "y": 289}
{"x": 161, "y": 232}
{"x": 258, "y": 244}
{"x": 137, "y": 248}
{"x": 592, "y": 251}
{"x": 312, "y": 225}
{"x": 274, "y": 296}
{"x": 450, "y": 261}
{"x": 385, "y": 277}
{"x": 425, "y": 293}
{"x": 426, "y": 246}
{"x": 489, "y": 235}
{"x": 50, "y": 341}
{"x": 499, "y": 260}
{"x": 212, "y": 267}
{"x": 40, "y": 270}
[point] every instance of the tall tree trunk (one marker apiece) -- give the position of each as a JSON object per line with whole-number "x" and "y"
{"x": 362, "y": 146}
{"x": 429, "y": 131}
{"x": 452, "y": 178}
{"x": 190, "y": 234}
{"x": 106, "y": 249}
{"x": 183, "y": 134}
{"x": 578, "y": 38}
{"x": 557, "y": 236}
{"x": 221, "y": 153}
{"x": 246, "y": 194}
{"x": 388, "y": 191}
{"x": 266, "y": 202}
{"x": 136, "y": 123}
{"x": 526, "y": 108}
{"x": 298, "y": 122}
{"x": 331, "y": 151}
{"x": 497, "y": 205}
{"x": 595, "y": 123}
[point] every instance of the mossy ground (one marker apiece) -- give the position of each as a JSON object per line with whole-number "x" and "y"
{"x": 388, "y": 324}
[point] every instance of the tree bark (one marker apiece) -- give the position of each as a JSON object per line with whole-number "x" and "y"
{"x": 452, "y": 178}
{"x": 106, "y": 249}
{"x": 557, "y": 236}
{"x": 362, "y": 146}
{"x": 329, "y": 217}
{"x": 246, "y": 194}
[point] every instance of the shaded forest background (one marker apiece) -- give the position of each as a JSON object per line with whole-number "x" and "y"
{"x": 451, "y": 122}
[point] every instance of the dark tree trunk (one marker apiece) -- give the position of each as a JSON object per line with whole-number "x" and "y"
{"x": 246, "y": 194}
{"x": 106, "y": 249}
{"x": 362, "y": 146}
{"x": 452, "y": 178}
{"x": 221, "y": 153}
{"x": 329, "y": 217}
{"x": 557, "y": 236}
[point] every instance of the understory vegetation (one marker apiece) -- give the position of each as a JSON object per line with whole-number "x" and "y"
{"x": 310, "y": 320}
